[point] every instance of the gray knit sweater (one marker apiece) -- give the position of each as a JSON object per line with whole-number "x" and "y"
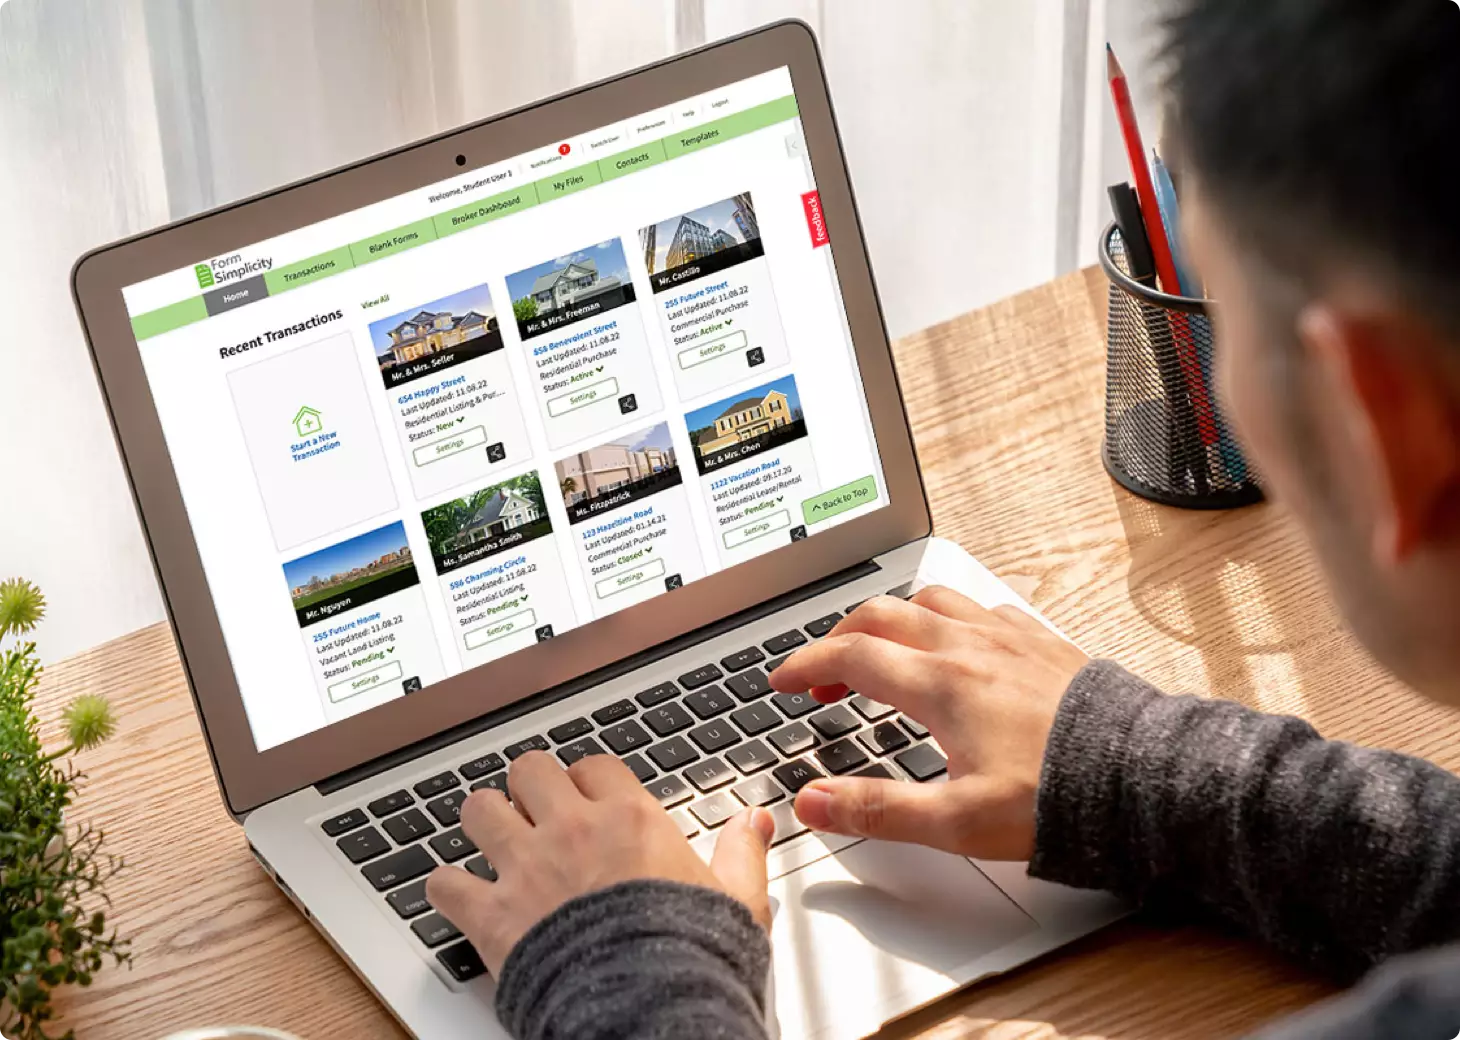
{"x": 1342, "y": 857}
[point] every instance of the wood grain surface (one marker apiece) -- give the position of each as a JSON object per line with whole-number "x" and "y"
{"x": 1006, "y": 407}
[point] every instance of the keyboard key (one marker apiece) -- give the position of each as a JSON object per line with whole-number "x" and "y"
{"x": 702, "y": 676}
{"x": 742, "y": 660}
{"x": 749, "y": 684}
{"x": 667, "y": 719}
{"x": 462, "y": 962}
{"x": 788, "y": 824}
{"x": 447, "y": 808}
{"x": 710, "y": 775}
{"x": 795, "y": 775}
{"x": 913, "y": 726}
{"x": 922, "y": 762}
{"x": 687, "y": 826}
{"x": 876, "y": 771}
{"x": 522, "y": 747}
{"x": 390, "y": 803}
{"x": 869, "y": 709}
{"x": 834, "y": 722}
{"x": 709, "y": 702}
{"x": 410, "y": 901}
{"x": 794, "y": 705}
{"x": 335, "y": 826}
{"x": 821, "y": 626}
{"x": 608, "y": 715}
{"x": 399, "y": 867}
{"x": 716, "y": 809}
{"x": 625, "y": 736}
{"x": 642, "y": 770}
{"x": 752, "y": 757}
{"x": 841, "y": 757}
{"x": 570, "y": 731}
{"x": 792, "y": 740}
{"x": 434, "y": 785}
{"x": 408, "y": 826}
{"x": 714, "y": 736}
{"x": 673, "y": 753}
{"x": 497, "y": 782}
{"x": 580, "y": 749}
{"x": 784, "y": 643}
{"x": 758, "y": 790}
{"x": 775, "y": 662}
{"x": 363, "y": 845}
{"x": 453, "y": 845}
{"x": 756, "y": 718}
{"x": 434, "y": 930}
{"x": 884, "y": 738}
{"x": 657, "y": 694}
{"x": 670, "y": 790}
{"x": 482, "y": 869}
{"x": 481, "y": 766}
{"x": 903, "y": 591}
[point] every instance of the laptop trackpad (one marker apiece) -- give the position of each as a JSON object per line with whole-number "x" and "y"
{"x": 878, "y": 928}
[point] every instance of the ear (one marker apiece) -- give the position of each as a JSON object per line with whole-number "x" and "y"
{"x": 1399, "y": 407}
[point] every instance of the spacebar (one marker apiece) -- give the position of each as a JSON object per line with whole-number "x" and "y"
{"x": 783, "y": 859}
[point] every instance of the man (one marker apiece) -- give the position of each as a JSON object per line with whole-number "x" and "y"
{"x": 1320, "y": 141}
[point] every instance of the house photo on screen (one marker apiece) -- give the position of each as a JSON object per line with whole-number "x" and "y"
{"x": 751, "y": 422}
{"x": 439, "y": 335}
{"x": 569, "y": 288}
{"x": 624, "y": 470}
{"x": 701, "y": 242}
{"x": 351, "y": 573}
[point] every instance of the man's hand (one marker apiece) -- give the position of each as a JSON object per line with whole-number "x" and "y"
{"x": 986, "y": 683}
{"x": 576, "y": 831}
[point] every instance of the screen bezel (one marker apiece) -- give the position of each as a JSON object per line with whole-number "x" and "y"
{"x": 249, "y": 777}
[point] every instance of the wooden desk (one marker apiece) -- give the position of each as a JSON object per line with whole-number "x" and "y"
{"x": 1006, "y": 405}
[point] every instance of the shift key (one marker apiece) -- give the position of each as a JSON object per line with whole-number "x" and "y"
{"x": 405, "y": 865}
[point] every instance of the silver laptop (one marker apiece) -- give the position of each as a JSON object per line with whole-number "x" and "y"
{"x": 557, "y": 431}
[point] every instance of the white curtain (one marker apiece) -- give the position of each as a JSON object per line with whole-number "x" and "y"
{"x": 975, "y": 133}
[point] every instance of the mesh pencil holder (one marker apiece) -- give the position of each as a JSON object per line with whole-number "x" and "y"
{"x": 1165, "y": 439}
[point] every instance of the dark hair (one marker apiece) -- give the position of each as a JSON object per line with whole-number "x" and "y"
{"x": 1324, "y": 129}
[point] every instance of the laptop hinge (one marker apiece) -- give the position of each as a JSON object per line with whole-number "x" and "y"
{"x": 629, "y": 664}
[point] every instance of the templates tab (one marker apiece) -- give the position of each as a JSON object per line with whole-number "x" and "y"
{"x": 449, "y": 386}
{"x": 499, "y": 569}
{"x": 364, "y": 620}
{"x": 585, "y": 343}
{"x": 713, "y": 293}
{"x": 630, "y": 519}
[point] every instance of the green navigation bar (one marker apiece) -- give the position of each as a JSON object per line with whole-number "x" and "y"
{"x": 308, "y": 270}
{"x": 173, "y": 316}
{"x": 483, "y": 210}
{"x": 632, "y": 161}
{"x": 391, "y": 243}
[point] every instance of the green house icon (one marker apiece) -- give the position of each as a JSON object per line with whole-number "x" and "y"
{"x": 307, "y": 422}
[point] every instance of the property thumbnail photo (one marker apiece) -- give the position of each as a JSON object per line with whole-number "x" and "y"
{"x": 441, "y": 334}
{"x": 610, "y": 475}
{"x": 570, "y": 288}
{"x": 701, "y": 242}
{"x": 467, "y": 529}
{"x": 350, "y": 574}
{"x": 748, "y": 423}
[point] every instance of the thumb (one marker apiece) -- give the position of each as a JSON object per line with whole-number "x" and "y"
{"x": 936, "y": 815}
{"x": 739, "y": 861}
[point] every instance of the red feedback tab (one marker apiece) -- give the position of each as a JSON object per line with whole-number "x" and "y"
{"x": 815, "y": 219}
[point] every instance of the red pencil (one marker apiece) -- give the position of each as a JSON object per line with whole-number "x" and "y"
{"x": 1160, "y": 244}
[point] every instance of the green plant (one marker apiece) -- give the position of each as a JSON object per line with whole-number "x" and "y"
{"x": 52, "y": 924}
{"x": 524, "y": 309}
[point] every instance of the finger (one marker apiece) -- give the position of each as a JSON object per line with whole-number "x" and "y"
{"x": 883, "y": 670}
{"x": 539, "y": 786}
{"x": 470, "y": 903}
{"x": 494, "y": 827}
{"x": 942, "y": 600}
{"x": 739, "y": 861}
{"x": 931, "y": 814}
{"x": 829, "y": 694}
{"x": 601, "y": 777}
{"x": 910, "y": 624}
{"x": 1019, "y": 618}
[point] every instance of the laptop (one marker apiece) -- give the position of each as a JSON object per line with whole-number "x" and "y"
{"x": 557, "y": 431}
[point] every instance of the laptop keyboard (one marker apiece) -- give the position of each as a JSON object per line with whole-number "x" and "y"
{"x": 706, "y": 746}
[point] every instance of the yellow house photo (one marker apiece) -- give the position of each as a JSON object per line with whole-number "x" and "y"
{"x": 748, "y": 418}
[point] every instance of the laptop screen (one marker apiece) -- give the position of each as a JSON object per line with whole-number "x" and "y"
{"x": 420, "y": 436}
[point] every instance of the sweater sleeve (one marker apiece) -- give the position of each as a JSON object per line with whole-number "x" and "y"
{"x": 1339, "y": 855}
{"x": 644, "y": 960}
